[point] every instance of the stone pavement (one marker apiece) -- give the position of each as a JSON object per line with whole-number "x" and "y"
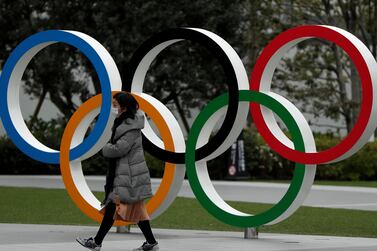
{"x": 25, "y": 237}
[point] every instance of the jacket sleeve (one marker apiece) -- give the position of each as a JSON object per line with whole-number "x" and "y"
{"x": 122, "y": 146}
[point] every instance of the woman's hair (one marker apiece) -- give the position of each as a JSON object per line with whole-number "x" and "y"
{"x": 126, "y": 100}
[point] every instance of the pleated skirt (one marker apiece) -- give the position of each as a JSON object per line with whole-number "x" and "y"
{"x": 133, "y": 212}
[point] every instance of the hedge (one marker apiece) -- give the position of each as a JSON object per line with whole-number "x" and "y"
{"x": 261, "y": 162}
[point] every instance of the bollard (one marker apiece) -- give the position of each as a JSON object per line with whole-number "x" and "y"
{"x": 124, "y": 229}
{"x": 251, "y": 233}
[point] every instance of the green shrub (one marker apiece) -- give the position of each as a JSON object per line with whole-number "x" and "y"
{"x": 156, "y": 166}
{"x": 13, "y": 161}
{"x": 361, "y": 166}
{"x": 260, "y": 160}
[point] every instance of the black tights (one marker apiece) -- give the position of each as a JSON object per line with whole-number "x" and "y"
{"x": 145, "y": 227}
{"x": 108, "y": 221}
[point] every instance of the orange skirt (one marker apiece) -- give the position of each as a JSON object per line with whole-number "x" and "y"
{"x": 134, "y": 212}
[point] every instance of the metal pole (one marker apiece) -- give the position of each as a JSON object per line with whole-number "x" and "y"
{"x": 251, "y": 233}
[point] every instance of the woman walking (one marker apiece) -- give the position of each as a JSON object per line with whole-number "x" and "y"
{"x": 127, "y": 180}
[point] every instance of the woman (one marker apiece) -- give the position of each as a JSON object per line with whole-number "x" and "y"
{"x": 127, "y": 180}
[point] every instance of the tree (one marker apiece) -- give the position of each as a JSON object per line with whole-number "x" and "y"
{"x": 52, "y": 71}
{"x": 324, "y": 68}
{"x": 184, "y": 76}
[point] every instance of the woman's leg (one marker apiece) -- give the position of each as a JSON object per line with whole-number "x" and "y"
{"x": 145, "y": 227}
{"x": 106, "y": 224}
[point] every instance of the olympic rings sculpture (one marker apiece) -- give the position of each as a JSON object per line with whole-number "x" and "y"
{"x": 192, "y": 155}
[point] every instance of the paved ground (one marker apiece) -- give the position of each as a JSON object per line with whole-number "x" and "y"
{"x": 360, "y": 198}
{"x": 22, "y": 237}
{"x": 18, "y": 237}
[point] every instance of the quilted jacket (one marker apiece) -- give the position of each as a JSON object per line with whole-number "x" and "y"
{"x": 132, "y": 179}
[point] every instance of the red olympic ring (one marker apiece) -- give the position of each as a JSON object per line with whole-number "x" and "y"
{"x": 366, "y": 110}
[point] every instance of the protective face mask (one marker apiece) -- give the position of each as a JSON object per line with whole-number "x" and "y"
{"x": 114, "y": 110}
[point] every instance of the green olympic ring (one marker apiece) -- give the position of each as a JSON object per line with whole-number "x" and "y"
{"x": 217, "y": 208}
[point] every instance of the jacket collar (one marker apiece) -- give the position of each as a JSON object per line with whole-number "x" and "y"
{"x": 130, "y": 124}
